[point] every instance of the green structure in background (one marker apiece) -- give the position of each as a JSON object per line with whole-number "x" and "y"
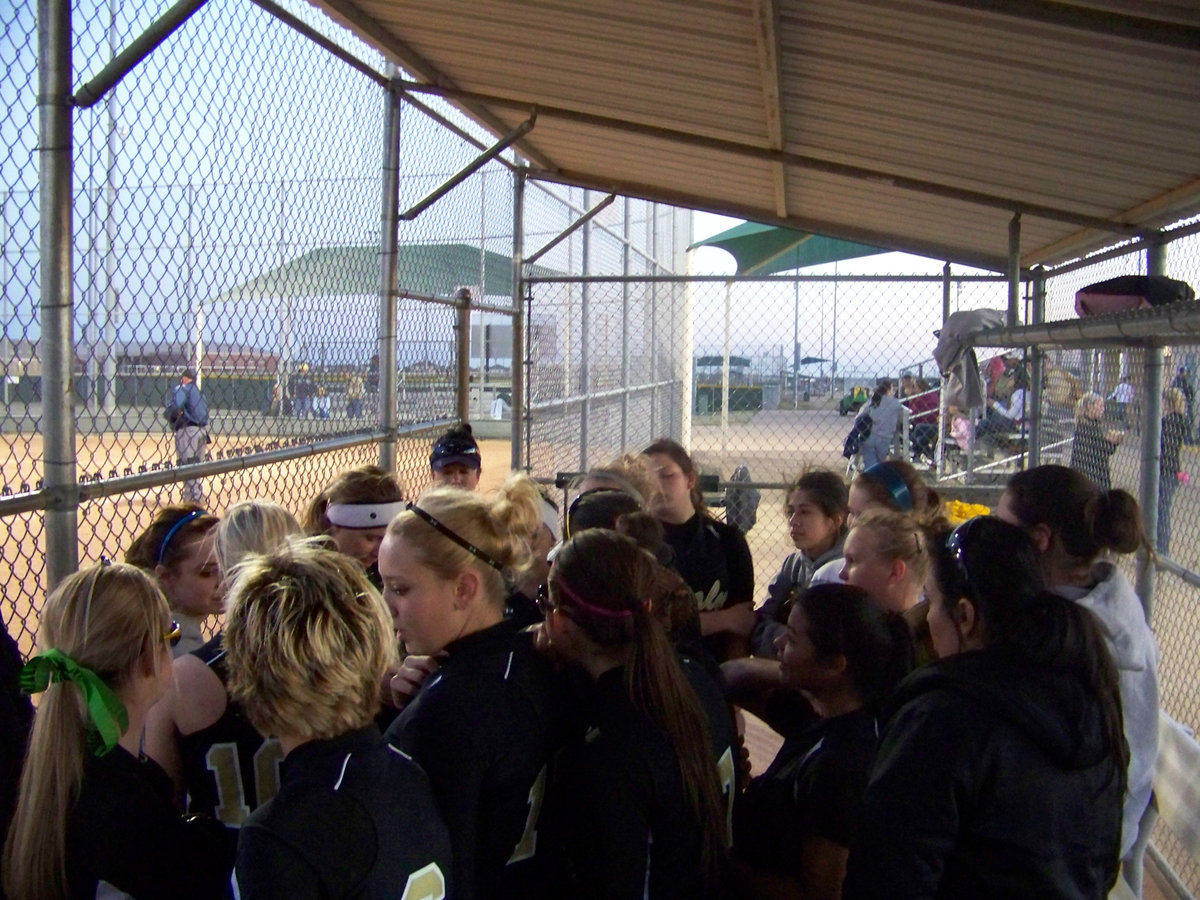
{"x": 766, "y": 249}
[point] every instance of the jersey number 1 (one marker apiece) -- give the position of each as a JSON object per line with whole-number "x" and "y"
{"x": 527, "y": 845}
{"x": 225, "y": 764}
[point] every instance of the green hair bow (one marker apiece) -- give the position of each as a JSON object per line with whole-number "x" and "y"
{"x": 107, "y": 712}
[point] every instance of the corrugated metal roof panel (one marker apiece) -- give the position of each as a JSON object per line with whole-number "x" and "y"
{"x": 1088, "y": 108}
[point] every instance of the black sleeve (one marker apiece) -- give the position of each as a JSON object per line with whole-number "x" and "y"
{"x": 740, "y": 566}
{"x": 768, "y": 626}
{"x": 440, "y": 739}
{"x": 607, "y": 835}
{"x": 912, "y": 808}
{"x": 271, "y": 869}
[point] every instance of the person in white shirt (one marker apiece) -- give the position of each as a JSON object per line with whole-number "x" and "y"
{"x": 1003, "y": 418}
{"x": 1123, "y": 395}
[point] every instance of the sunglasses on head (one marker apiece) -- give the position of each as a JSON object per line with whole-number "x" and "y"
{"x": 545, "y": 607}
{"x": 174, "y": 634}
{"x": 956, "y": 545}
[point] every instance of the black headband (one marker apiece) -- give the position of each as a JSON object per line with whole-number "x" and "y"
{"x": 456, "y": 537}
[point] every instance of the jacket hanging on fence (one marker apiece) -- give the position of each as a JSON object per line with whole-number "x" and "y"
{"x": 956, "y": 359}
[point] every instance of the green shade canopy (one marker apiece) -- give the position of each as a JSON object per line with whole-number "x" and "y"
{"x": 354, "y": 270}
{"x": 764, "y": 249}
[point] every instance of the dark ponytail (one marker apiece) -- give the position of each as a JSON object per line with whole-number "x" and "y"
{"x": 607, "y": 571}
{"x": 880, "y": 389}
{"x": 1086, "y": 520}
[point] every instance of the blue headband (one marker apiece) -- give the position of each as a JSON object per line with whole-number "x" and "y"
{"x": 894, "y": 482}
{"x": 183, "y": 520}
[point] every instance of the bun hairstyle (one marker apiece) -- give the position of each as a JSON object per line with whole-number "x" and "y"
{"x": 997, "y": 571}
{"x": 678, "y": 455}
{"x": 604, "y": 584}
{"x": 825, "y": 489}
{"x": 878, "y": 482}
{"x": 877, "y": 645}
{"x": 253, "y": 526}
{"x": 165, "y": 543}
{"x": 897, "y": 535}
{"x": 1085, "y": 520}
{"x": 366, "y": 484}
{"x": 458, "y": 445}
{"x": 105, "y": 618}
{"x": 499, "y": 527}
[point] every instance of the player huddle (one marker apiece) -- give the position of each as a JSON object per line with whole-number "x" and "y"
{"x": 466, "y": 696}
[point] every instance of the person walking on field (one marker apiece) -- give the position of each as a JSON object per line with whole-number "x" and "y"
{"x": 187, "y": 411}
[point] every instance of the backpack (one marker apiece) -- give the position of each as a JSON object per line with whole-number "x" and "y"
{"x": 741, "y": 503}
{"x": 859, "y": 432}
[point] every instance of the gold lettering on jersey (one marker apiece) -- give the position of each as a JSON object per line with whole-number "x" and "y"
{"x": 715, "y": 599}
{"x": 527, "y": 845}
{"x": 427, "y": 883}
{"x": 725, "y": 772}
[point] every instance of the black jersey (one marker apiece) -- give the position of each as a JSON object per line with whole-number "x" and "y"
{"x": 229, "y": 769}
{"x": 714, "y": 559}
{"x": 354, "y": 817}
{"x": 482, "y": 727}
{"x": 620, "y": 808}
{"x": 722, "y": 732}
{"x": 124, "y": 831}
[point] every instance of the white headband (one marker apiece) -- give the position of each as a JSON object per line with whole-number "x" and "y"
{"x": 551, "y": 520}
{"x": 363, "y": 515}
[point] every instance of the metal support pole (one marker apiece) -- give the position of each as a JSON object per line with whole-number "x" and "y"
{"x": 55, "y": 269}
{"x": 1036, "y": 359}
{"x": 654, "y": 320}
{"x": 571, "y": 229}
{"x": 462, "y": 355}
{"x": 625, "y": 330}
{"x": 1014, "y": 269}
{"x": 946, "y": 286}
{"x": 585, "y": 407}
{"x": 726, "y": 349}
{"x": 1152, "y": 411}
{"x": 389, "y": 260}
{"x": 518, "y": 321}
{"x": 943, "y": 430}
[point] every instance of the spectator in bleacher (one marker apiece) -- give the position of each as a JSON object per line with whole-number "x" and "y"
{"x": 1074, "y": 526}
{"x": 322, "y": 404}
{"x": 456, "y": 460}
{"x": 178, "y": 550}
{"x": 796, "y": 822}
{"x": 885, "y": 412}
{"x": 94, "y": 817}
{"x": 187, "y": 411}
{"x": 1092, "y": 445}
{"x": 1007, "y": 418}
{"x": 713, "y": 557}
{"x": 1174, "y": 436}
{"x": 355, "y": 394}
{"x": 1001, "y": 765}
{"x": 354, "y": 511}
{"x": 925, "y": 406}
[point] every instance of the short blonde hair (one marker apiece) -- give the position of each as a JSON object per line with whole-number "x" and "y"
{"x": 307, "y": 640}
{"x": 502, "y": 526}
{"x": 1174, "y": 401}
{"x": 253, "y": 526}
{"x": 1085, "y": 403}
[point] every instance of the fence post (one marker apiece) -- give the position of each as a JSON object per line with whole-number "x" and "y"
{"x": 462, "y": 354}
{"x": 518, "y": 319}
{"x": 653, "y": 320}
{"x": 585, "y": 369}
{"x": 1156, "y": 264}
{"x": 56, "y": 272}
{"x": 389, "y": 256}
{"x": 1014, "y": 269}
{"x": 1038, "y": 315}
{"x": 625, "y": 331}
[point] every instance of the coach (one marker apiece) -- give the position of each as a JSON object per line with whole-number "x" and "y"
{"x": 187, "y": 412}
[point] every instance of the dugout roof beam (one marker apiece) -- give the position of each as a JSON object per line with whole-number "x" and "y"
{"x": 921, "y": 126}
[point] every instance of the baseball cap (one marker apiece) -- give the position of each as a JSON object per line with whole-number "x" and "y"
{"x": 455, "y": 446}
{"x": 188, "y": 373}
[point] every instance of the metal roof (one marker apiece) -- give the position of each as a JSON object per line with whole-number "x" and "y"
{"x": 921, "y": 125}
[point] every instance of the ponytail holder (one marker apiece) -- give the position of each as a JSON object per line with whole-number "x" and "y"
{"x": 106, "y": 711}
{"x": 895, "y": 484}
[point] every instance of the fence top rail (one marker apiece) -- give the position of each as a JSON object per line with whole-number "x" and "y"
{"x": 1176, "y": 323}
{"x": 731, "y": 279}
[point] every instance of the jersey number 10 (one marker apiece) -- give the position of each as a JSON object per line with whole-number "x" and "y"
{"x": 225, "y": 764}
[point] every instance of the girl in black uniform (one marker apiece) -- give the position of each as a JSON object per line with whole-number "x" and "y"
{"x": 93, "y": 815}
{"x": 308, "y": 639}
{"x": 638, "y": 802}
{"x": 482, "y": 723}
{"x": 177, "y": 549}
{"x": 354, "y": 512}
{"x": 712, "y": 557}
{"x": 220, "y": 763}
{"x": 797, "y": 821}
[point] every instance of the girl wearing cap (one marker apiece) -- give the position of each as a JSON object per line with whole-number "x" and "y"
{"x": 1001, "y": 765}
{"x": 455, "y": 460}
{"x": 221, "y": 765}
{"x": 177, "y": 549}
{"x": 639, "y": 799}
{"x": 522, "y": 601}
{"x": 481, "y": 723}
{"x": 354, "y": 511}
{"x": 94, "y": 817}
